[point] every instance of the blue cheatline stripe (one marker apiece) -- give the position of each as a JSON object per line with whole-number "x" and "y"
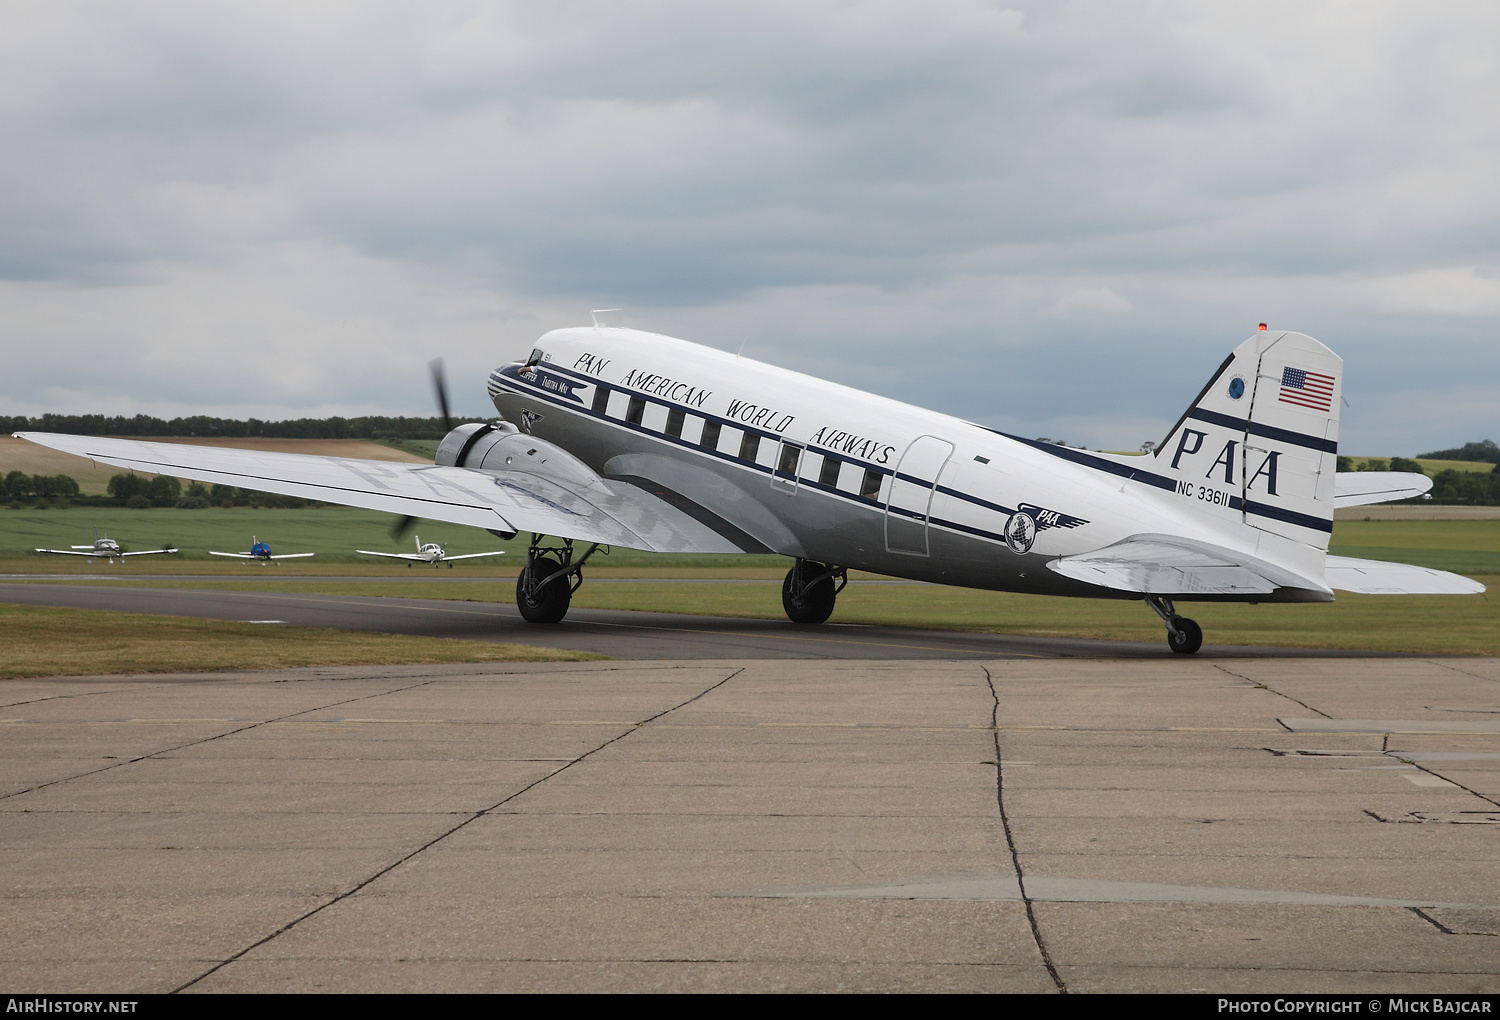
{"x": 1276, "y": 513}
{"x": 1255, "y": 428}
{"x": 1098, "y": 463}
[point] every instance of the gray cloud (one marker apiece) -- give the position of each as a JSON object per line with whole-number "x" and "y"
{"x": 1050, "y": 218}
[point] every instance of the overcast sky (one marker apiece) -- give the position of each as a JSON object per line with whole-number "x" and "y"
{"x": 1054, "y": 219}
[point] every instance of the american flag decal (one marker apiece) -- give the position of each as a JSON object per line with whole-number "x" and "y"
{"x": 1312, "y": 390}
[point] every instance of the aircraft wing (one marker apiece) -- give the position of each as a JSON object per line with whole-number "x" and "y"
{"x": 238, "y": 556}
{"x": 612, "y": 513}
{"x": 394, "y": 556}
{"x": 1357, "y": 488}
{"x": 1167, "y": 565}
{"x": 72, "y": 552}
{"x": 149, "y": 552}
{"x": 1378, "y": 577}
{"x": 289, "y": 556}
{"x": 475, "y": 556}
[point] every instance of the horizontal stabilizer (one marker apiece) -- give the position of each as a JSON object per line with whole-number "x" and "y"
{"x": 1170, "y": 566}
{"x": 1358, "y": 488}
{"x": 1379, "y": 577}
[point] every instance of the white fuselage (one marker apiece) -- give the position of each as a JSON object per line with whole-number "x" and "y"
{"x": 808, "y": 468}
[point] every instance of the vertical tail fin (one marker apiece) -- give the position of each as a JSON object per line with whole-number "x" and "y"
{"x": 1260, "y": 443}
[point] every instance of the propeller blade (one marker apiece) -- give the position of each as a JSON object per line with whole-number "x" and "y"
{"x": 440, "y": 387}
{"x": 401, "y": 527}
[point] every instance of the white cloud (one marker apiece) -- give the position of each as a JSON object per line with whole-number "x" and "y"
{"x": 1098, "y": 193}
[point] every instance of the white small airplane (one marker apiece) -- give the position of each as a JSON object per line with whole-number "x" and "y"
{"x": 430, "y": 553}
{"x": 262, "y": 552}
{"x": 621, "y": 437}
{"x": 104, "y": 548}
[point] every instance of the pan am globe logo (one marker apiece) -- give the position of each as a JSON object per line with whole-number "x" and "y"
{"x": 1236, "y": 388}
{"x": 1020, "y": 532}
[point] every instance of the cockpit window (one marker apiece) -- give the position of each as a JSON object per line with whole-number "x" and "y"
{"x": 536, "y": 357}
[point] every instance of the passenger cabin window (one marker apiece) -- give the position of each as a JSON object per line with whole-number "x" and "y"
{"x": 636, "y": 409}
{"x": 871, "y": 487}
{"x": 829, "y": 476}
{"x": 601, "y": 398}
{"x": 710, "y": 438}
{"x": 749, "y": 446}
{"x": 787, "y": 465}
{"x": 675, "y": 418}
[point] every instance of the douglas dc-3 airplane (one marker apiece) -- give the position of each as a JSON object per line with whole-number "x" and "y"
{"x": 430, "y": 553}
{"x": 619, "y": 437}
{"x": 104, "y": 548}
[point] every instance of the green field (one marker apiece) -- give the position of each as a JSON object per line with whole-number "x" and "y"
{"x": 334, "y": 533}
{"x": 1471, "y": 547}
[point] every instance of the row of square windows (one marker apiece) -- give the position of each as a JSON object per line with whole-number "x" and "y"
{"x": 792, "y": 461}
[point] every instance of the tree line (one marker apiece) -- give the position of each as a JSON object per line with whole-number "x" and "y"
{"x": 367, "y": 427}
{"x": 1449, "y": 486}
{"x": 137, "y": 492}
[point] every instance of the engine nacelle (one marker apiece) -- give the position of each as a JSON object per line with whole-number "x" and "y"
{"x": 502, "y": 447}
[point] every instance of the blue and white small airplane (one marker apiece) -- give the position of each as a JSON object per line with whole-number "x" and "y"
{"x": 430, "y": 553}
{"x": 262, "y": 552}
{"x": 620, "y": 437}
{"x": 104, "y": 548}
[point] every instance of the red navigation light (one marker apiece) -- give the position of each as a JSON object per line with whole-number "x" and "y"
{"x": 1262, "y": 326}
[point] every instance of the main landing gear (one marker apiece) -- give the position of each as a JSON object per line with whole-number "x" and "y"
{"x": 545, "y": 588}
{"x": 1183, "y": 635}
{"x": 808, "y": 593}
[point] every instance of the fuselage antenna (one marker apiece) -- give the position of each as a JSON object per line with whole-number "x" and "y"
{"x": 595, "y": 313}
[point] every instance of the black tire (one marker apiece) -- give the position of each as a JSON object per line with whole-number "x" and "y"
{"x": 813, "y": 605}
{"x": 548, "y": 604}
{"x": 1187, "y": 638}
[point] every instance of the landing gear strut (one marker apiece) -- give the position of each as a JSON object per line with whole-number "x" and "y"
{"x": 545, "y": 588}
{"x": 808, "y": 593}
{"x": 1183, "y": 635}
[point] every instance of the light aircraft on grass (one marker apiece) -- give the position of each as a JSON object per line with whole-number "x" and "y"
{"x": 620, "y": 437}
{"x": 104, "y": 548}
{"x": 430, "y": 553}
{"x": 262, "y": 552}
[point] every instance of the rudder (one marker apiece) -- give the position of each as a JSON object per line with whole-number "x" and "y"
{"x": 1259, "y": 445}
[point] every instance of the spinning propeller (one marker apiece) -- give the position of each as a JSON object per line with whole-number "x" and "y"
{"x": 440, "y": 389}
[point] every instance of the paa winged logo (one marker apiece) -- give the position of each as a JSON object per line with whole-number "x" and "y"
{"x": 1021, "y": 527}
{"x": 529, "y": 420}
{"x": 1049, "y": 518}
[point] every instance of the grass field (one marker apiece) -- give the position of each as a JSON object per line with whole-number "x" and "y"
{"x": 72, "y": 642}
{"x": 1426, "y": 624}
{"x": 1467, "y": 546}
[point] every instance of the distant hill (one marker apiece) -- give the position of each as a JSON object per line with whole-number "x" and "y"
{"x": 1484, "y": 450}
{"x": 370, "y": 427}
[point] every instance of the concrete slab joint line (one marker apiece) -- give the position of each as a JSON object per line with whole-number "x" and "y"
{"x": 1010, "y": 840}
{"x": 471, "y": 818}
{"x": 1268, "y": 687}
{"x": 204, "y": 740}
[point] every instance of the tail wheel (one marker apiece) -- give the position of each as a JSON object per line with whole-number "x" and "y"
{"x": 1184, "y": 636}
{"x": 808, "y": 603}
{"x": 543, "y": 603}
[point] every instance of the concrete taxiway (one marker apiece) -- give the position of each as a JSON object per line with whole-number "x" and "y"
{"x": 1027, "y": 825}
{"x": 616, "y": 633}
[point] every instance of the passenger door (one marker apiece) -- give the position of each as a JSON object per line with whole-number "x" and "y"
{"x": 909, "y": 503}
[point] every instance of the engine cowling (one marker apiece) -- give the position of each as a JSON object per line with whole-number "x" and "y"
{"x": 502, "y": 447}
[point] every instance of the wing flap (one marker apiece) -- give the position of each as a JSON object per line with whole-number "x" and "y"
{"x": 495, "y": 500}
{"x": 1379, "y": 577}
{"x": 1170, "y": 566}
{"x": 1359, "y": 488}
